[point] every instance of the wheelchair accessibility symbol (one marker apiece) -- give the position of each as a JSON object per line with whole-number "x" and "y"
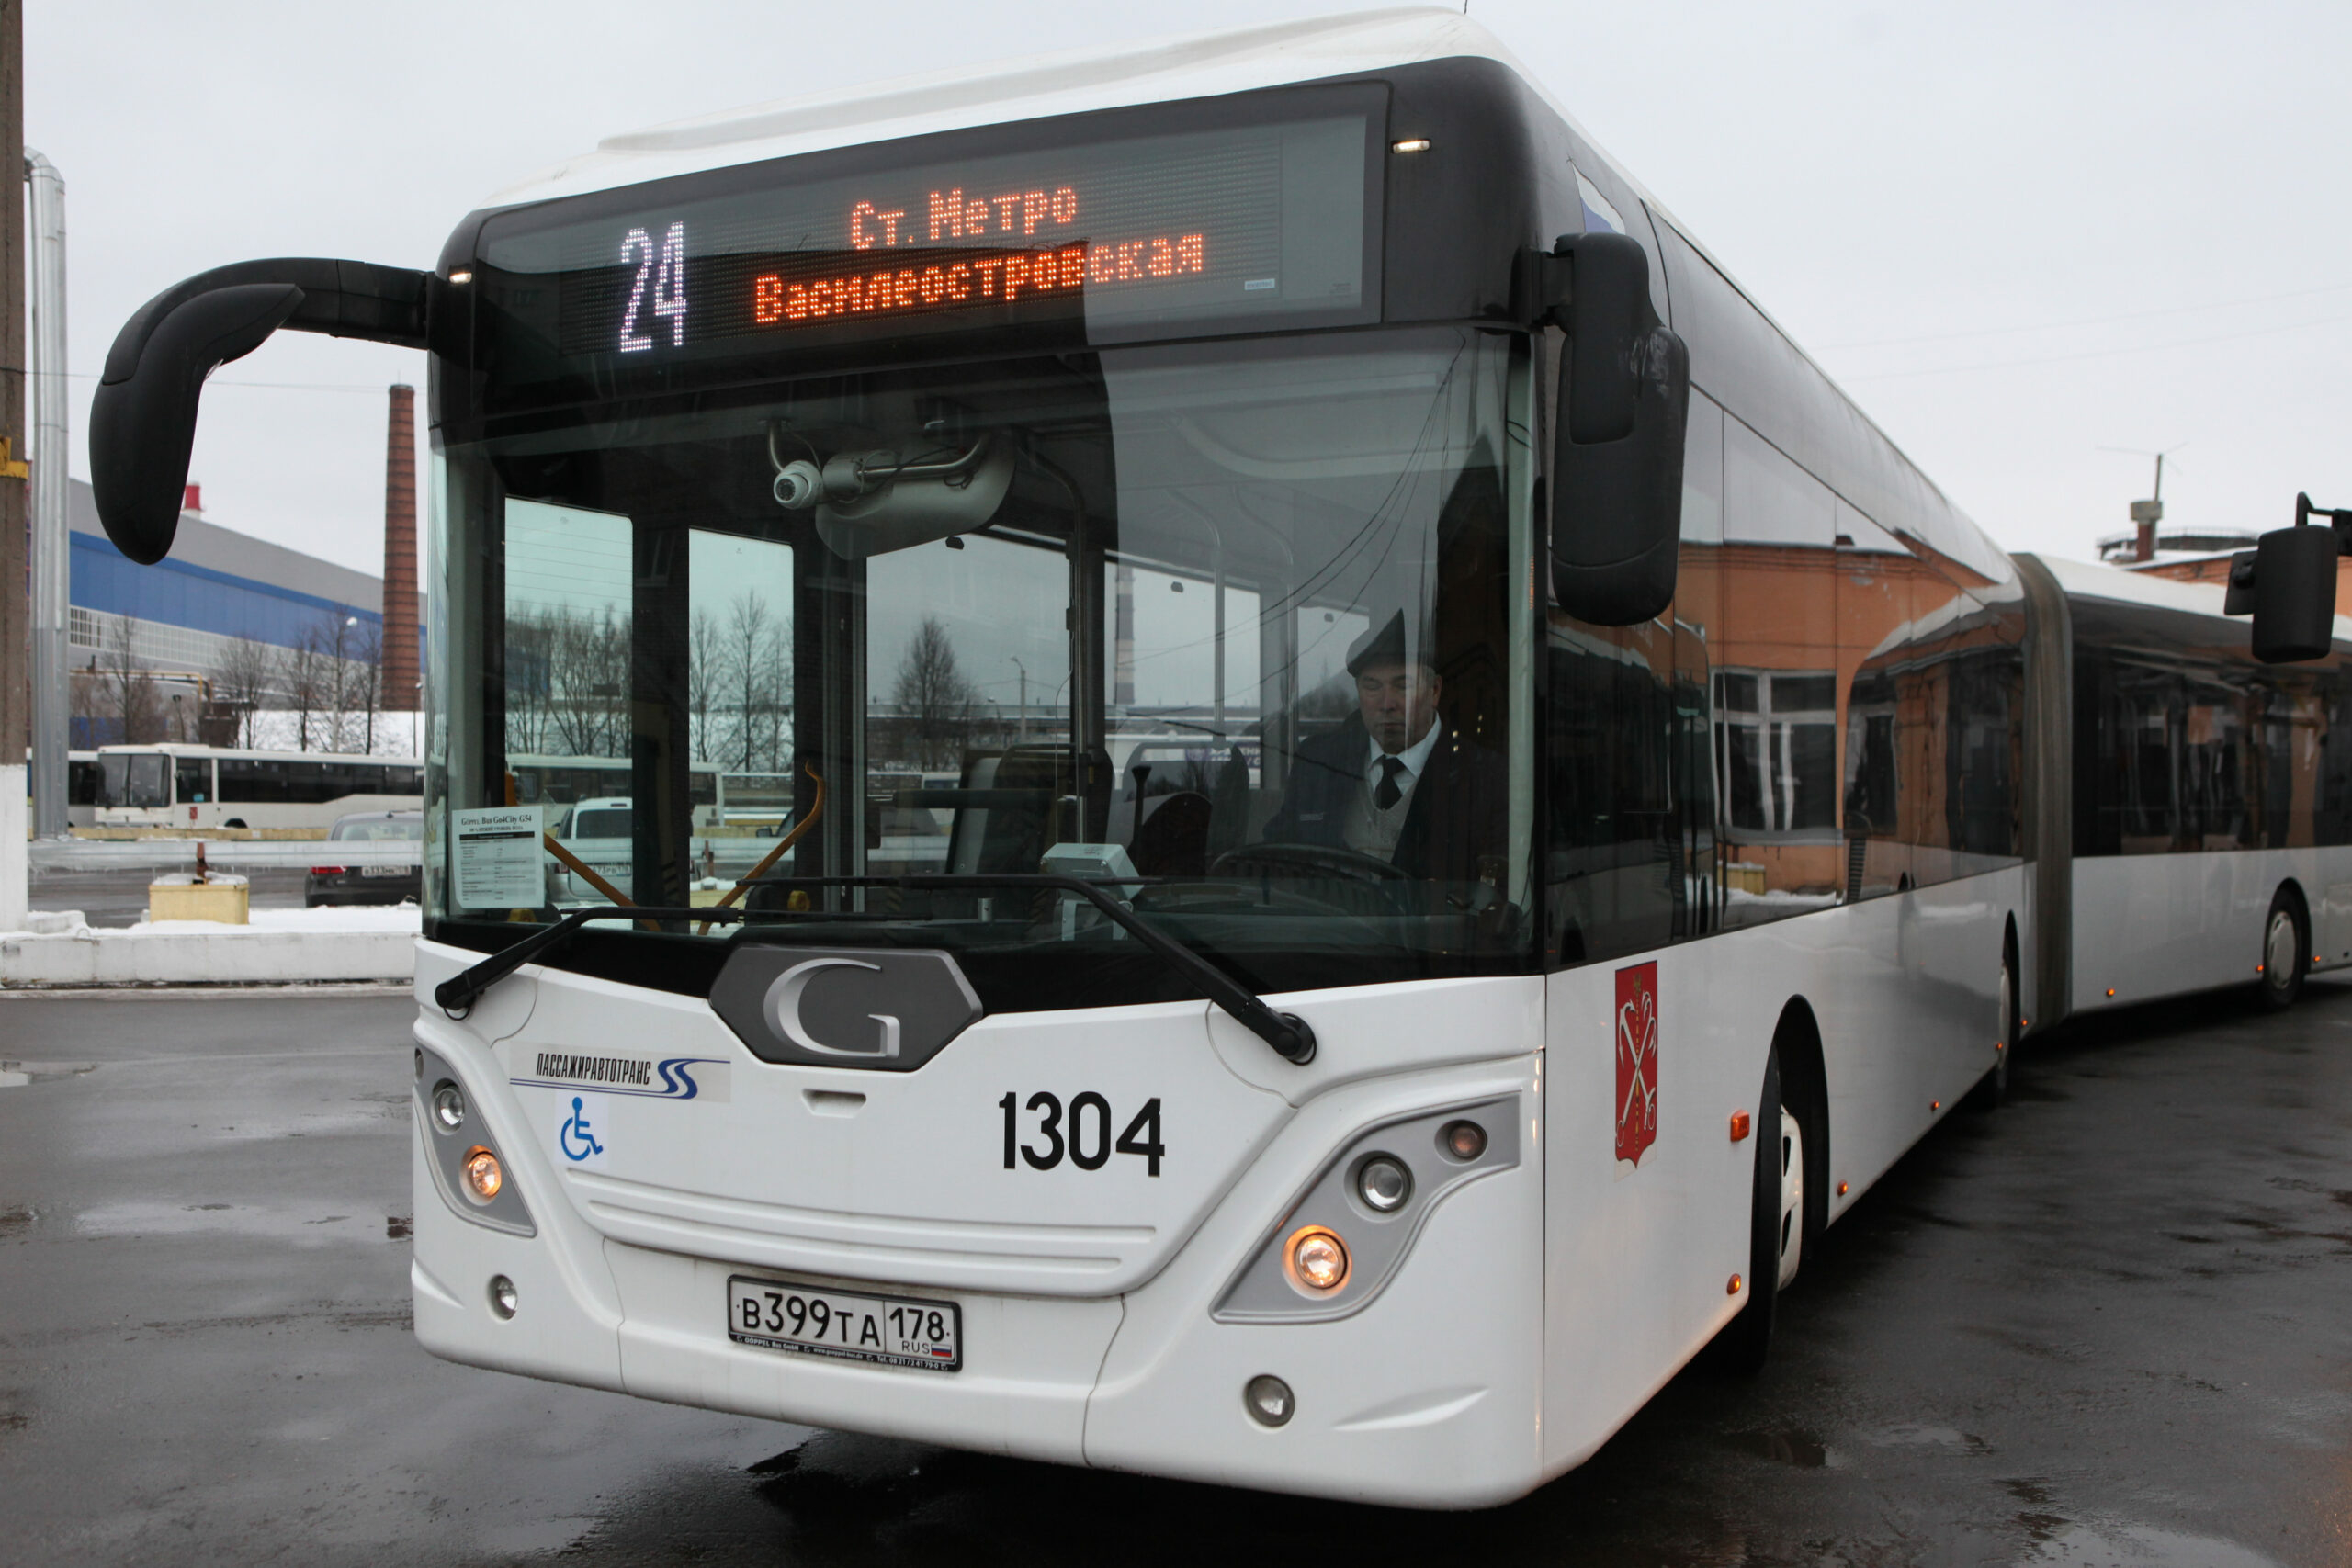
{"x": 578, "y": 1142}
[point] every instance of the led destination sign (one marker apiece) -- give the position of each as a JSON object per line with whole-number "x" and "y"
{"x": 1209, "y": 229}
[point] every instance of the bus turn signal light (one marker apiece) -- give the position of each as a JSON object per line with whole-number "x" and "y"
{"x": 1739, "y": 1125}
{"x": 1732, "y": 1289}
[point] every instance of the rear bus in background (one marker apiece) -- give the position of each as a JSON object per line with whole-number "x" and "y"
{"x": 171, "y": 785}
{"x": 1393, "y": 802}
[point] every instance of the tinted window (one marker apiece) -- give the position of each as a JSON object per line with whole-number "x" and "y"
{"x": 193, "y": 780}
{"x": 1628, "y": 805}
{"x": 609, "y": 823}
{"x": 2183, "y": 743}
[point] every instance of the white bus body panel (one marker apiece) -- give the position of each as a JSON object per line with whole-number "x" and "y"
{"x": 1639, "y": 1255}
{"x": 2161, "y": 925}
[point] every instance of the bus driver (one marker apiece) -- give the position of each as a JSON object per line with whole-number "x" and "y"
{"x": 1395, "y": 781}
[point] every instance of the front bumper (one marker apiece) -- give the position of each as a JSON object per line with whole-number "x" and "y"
{"x": 1429, "y": 1395}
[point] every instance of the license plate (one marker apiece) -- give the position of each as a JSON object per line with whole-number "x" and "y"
{"x": 895, "y": 1331}
{"x": 388, "y": 870}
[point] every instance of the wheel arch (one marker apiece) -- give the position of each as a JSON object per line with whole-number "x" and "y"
{"x": 1804, "y": 1087}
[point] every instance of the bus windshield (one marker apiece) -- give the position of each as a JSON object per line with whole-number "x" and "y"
{"x": 134, "y": 778}
{"x": 1229, "y": 628}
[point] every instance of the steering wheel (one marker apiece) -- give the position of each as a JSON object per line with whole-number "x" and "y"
{"x": 1326, "y": 861}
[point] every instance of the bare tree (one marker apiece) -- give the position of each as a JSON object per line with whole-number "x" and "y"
{"x": 244, "y": 679}
{"x": 933, "y": 696}
{"x": 588, "y": 684}
{"x": 124, "y": 690}
{"x": 702, "y": 678}
{"x": 308, "y": 685}
{"x": 529, "y": 634}
{"x": 751, "y": 658}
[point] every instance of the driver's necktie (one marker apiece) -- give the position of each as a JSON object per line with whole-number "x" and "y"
{"x": 1385, "y": 795}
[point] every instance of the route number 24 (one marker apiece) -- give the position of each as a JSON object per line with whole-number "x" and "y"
{"x": 1086, "y": 1141}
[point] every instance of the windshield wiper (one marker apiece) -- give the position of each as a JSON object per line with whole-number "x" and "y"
{"x": 1287, "y": 1032}
{"x": 457, "y": 993}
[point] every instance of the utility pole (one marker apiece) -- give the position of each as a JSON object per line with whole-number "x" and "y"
{"x": 16, "y": 511}
{"x": 50, "y": 722}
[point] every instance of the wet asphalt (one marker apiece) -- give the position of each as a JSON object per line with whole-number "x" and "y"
{"x": 2108, "y": 1323}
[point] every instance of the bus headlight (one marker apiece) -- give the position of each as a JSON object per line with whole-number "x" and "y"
{"x": 484, "y": 1175}
{"x": 1319, "y": 1260}
{"x": 1381, "y": 1184}
{"x": 461, "y": 1152}
{"x": 1384, "y": 1183}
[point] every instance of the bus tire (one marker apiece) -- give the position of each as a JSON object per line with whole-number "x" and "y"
{"x": 2285, "y": 951}
{"x": 1992, "y": 1089}
{"x": 1775, "y": 1233}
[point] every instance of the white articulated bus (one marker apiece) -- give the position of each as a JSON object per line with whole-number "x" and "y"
{"x": 1628, "y": 806}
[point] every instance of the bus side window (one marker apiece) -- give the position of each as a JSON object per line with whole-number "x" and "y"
{"x": 192, "y": 780}
{"x": 1612, "y": 859}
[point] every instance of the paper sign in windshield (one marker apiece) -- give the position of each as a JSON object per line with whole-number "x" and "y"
{"x": 499, "y": 861}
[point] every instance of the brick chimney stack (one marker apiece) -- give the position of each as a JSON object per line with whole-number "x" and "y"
{"x": 399, "y": 667}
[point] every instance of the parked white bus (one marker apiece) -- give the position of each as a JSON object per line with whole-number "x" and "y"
{"x": 1382, "y": 1096}
{"x": 171, "y": 785}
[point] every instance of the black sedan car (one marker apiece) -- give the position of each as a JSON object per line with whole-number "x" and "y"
{"x": 379, "y": 876}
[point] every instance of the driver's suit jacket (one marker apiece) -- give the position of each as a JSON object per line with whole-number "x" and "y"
{"x": 1460, "y": 811}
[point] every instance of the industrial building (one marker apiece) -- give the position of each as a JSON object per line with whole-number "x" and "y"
{"x": 227, "y": 626}
{"x": 215, "y": 587}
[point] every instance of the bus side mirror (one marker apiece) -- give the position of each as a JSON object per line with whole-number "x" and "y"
{"x": 143, "y": 418}
{"x": 1625, "y": 397}
{"x": 2287, "y": 583}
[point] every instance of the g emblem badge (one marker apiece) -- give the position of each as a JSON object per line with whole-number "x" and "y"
{"x": 885, "y": 1009}
{"x": 782, "y": 1009}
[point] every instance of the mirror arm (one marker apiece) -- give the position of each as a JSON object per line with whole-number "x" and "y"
{"x": 142, "y": 417}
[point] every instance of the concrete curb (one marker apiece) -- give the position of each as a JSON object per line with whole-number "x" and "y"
{"x": 228, "y": 956}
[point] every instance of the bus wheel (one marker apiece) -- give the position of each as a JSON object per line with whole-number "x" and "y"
{"x": 1775, "y": 1230}
{"x": 1788, "y": 1239}
{"x": 2286, "y": 952}
{"x": 1994, "y": 1087}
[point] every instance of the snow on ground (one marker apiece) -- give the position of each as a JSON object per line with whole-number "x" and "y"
{"x": 362, "y": 918}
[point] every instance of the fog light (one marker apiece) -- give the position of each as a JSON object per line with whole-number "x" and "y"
{"x": 1384, "y": 1184}
{"x": 483, "y": 1177}
{"x": 1268, "y": 1400}
{"x": 448, "y": 1106}
{"x": 504, "y": 1297}
{"x": 1463, "y": 1140}
{"x": 1319, "y": 1260}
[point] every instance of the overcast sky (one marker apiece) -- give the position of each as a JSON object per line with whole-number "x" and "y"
{"x": 2017, "y": 233}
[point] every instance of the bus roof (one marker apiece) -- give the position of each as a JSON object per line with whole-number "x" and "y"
{"x": 1146, "y": 70}
{"x": 1165, "y": 69}
{"x": 2090, "y": 580}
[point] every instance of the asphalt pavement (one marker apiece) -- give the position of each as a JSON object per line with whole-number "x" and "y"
{"x": 2105, "y": 1325}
